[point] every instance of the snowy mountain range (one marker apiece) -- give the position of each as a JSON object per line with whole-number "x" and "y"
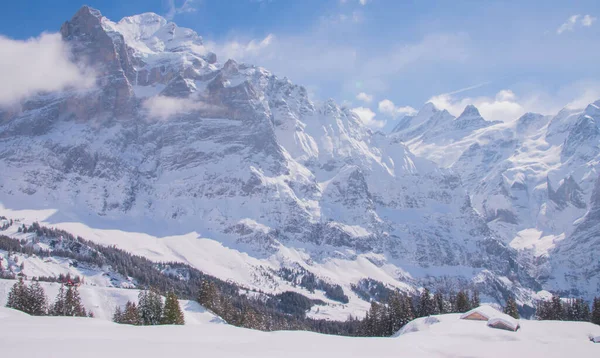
{"x": 177, "y": 154}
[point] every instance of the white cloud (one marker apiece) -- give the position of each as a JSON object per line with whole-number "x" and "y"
{"x": 588, "y": 20}
{"x": 363, "y": 2}
{"x": 173, "y": 10}
{"x": 568, "y": 25}
{"x": 367, "y": 116}
{"x": 388, "y": 108}
{"x": 573, "y": 21}
{"x": 242, "y": 50}
{"x": 37, "y": 65}
{"x": 502, "y": 107}
{"x": 507, "y": 106}
{"x": 506, "y": 96}
{"x": 162, "y": 107}
{"x": 367, "y": 98}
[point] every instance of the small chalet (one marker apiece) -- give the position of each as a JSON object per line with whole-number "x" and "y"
{"x": 481, "y": 313}
{"x": 505, "y": 322}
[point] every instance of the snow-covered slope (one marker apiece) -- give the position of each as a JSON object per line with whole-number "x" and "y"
{"x": 22, "y": 335}
{"x": 179, "y": 155}
{"x": 103, "y": 300}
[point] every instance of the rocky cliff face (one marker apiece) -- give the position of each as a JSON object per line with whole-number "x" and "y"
{"x": 173, "y": 139}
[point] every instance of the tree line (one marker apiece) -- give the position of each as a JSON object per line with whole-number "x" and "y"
{"x": 150, "y": 310}
{"x": 32, "y": 299}
{"x": 569, "y": 309}
{"x": 389, "y": 311}
{"x": 385, "y": 318}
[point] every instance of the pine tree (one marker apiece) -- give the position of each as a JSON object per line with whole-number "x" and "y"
{"x": 73, "y": 306}
{"x": 585, "y": 311}
{"x": 511, "y": 308}
{"x": 595, "y": 317}
{"x": 557, "y": 311}
{"x": 475, "y": 302}
{"x": 150, "y": 307}
{"x": 37, "y": 301}
{"x": 425, "y": 304}
{"x": 438, "y": 301}
{"x": 172, "y": 312}
{"x": 407, "y": 310}
{"x": 208, "y": 296}
{"x": 17, "y": 297}
{"x": 58, "y": 308}
{"x": 462, "y": 302}
{"x": 543, "y": 311}
{"x": 130, "y": 315}
{"x": 118, "y": 315}
{"x": 396, "y": 308}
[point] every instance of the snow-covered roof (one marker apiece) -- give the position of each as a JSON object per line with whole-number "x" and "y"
{"x": 505, "y": 320}
{"x": 484, "y": 310}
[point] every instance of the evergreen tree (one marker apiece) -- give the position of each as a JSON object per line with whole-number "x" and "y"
{"x": 37, "y": 301}
{"x": 18, "y": 297}
{"x": 438, "y": 301}
{"x": 58, "y": 308}
{"x": 73, "y": 306}
{"x": 462, "y": 302}
{"x": 407, "y": 310}
{"x": 425, "y": 304}
{"x": 130, "y": 315}
{"x": 475, "y": 302}
{"x": 585, "y": 311}
{"x": 150, "y": 307}
{"x": 395, "y": 312}
{"x": 557, "y": 312}
{"x": 172, "y": 312}
{"x": 543, "y": 311}
{"x": 595, "y": 317}
{"x": 118, "y": 315}
{"x": 208, "y": 296}
{"x": 511, "y": 308}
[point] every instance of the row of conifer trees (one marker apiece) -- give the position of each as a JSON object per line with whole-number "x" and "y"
{"x": 32, "y": 299}
{"x": 570, "y": 309}
{"x": 150, "y": 310}
{"x": 385, "y": 318}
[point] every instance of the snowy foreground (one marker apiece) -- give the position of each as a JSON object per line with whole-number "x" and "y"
{"x": 436, "y": 336}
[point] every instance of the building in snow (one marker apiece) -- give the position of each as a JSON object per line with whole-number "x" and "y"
{"x": 481, "y": 313}
{"x": 494, "y": 318}
{"x": 501, "y": 322}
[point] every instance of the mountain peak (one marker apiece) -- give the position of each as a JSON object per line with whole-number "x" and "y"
{"x": 86, "y": 18}
{"x": 429, "y": 107}
{"x": 87, "y": 10}
{"x": 470, "y": 111}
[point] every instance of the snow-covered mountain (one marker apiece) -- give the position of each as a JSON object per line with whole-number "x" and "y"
{"x": 533, "y": 180}
{"x": 177, "y": 154}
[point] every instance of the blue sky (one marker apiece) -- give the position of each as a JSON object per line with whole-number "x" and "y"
{"x": 394, "y": 55}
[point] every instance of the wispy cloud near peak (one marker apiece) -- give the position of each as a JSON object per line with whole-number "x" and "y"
{"x": 173, "y": 10}
{"x": 575, "y": 20}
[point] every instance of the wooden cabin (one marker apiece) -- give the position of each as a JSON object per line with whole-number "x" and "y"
{"x": 507, "y": 323}
{"x": 481, "y": 313}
